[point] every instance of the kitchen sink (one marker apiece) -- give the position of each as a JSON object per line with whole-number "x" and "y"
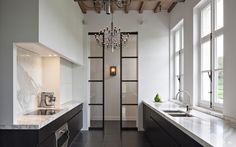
{"x": 177, "y": 113}
{"x": 180, "y": 115}
{"x": 173, "y": 111}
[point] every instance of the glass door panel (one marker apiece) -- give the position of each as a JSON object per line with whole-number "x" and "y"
{"x": 129, "y": 92}
{"x": 130, "y": 48}
{"x": 129, "y": 71}
{"x": 129, "y": 116}
{"x": 129, "y": 83}
{"x": 96, "y": 116}
{"x": 96, "y": 84}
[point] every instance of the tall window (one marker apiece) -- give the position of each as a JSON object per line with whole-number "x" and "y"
{"x": 211, "y": 54}
{"x": 178, "y": 47}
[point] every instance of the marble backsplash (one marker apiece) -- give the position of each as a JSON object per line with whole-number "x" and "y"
{"x": 29, "y": 80}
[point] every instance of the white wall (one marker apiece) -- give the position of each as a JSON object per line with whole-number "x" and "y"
{"x": 66, "y": 81}
{"x": 60, "y": 28}
{"x": 185, "y": 11}
{"x": 51, "y": 77}
{"x": 229, "y": 58}
{"x": 18, "y": 23}
{"x": 153, "y": 48}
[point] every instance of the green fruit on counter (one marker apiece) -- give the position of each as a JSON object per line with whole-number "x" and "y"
{"x": 157, "y": 98}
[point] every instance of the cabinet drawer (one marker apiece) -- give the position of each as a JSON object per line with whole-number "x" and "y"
{"x": 75, "y": 124}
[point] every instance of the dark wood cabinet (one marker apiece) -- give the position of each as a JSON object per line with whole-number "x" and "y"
{"x": 44, "y": 137}
{"x": 161, "y": 132}
{"x": 75, "y": 124}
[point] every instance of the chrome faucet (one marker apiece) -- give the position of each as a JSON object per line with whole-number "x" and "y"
{"x": 188, "y": 103}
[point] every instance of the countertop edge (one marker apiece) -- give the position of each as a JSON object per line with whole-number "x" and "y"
{"x": 50, "y": 119}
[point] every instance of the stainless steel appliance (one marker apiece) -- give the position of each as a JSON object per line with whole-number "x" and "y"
{"x": 62, "y": 136}
{"x": 47, "y": 100}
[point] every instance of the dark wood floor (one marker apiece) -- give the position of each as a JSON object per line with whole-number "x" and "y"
{"x": 110, "y": 137}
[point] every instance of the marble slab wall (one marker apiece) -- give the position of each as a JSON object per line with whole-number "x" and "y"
{"x": 29, "y": 80}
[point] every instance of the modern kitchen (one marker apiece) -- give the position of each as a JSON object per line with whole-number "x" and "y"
{"x": 99, "y": 73}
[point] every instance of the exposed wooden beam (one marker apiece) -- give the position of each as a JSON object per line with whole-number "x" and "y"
{"x": 97, "y": 6}
{"x": 157, "y": 6}
{"x": 126, "y": 9}
{"x": 141, "y": 7}
{"x": 171, "y": 7}
{"x": 82, "y": 6}
{"x": 112, "y": 7}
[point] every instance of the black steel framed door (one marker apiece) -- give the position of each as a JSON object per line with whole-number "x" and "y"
{"x": 129, "y": 82}
{"x": 96, "y": 83}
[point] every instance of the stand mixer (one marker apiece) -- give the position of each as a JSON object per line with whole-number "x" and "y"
{"x": 47, "y": 100}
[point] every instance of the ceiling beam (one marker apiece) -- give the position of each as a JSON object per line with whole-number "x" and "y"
{"x": 141, "y": 7}
{"x": 171, "y": 7}
{"x": 112, "y": 7}
{"x": 126, "y": 9}
{"x": 97, "y": 6}
{"x": 82, "y": 6}
{"x": 157, "y": 6}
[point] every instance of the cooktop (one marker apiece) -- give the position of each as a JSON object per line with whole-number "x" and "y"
{"x": 44, "y": 112}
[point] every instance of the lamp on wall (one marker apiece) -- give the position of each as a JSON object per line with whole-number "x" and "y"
{"x": 112, "y": 70}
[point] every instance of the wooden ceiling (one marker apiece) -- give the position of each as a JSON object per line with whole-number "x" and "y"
{"x": 138, "y": 5}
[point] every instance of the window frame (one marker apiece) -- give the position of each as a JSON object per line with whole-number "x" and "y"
{"x": 211, "y": 37}
{"x": 180, "y": 54}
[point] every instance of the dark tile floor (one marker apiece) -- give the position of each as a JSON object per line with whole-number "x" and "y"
{"x": 112, "y": 136}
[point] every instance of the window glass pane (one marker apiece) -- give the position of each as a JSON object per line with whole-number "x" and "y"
{"x": 206, "y": 21}
{"x": 177, "y": 41}
{"x": 219, "y": 86}
{"x": 182, "y": 63}
{"x": 219, "y": 42}
{"x": 181, "y": 82}
{"x": 219, "y": 18}
{"x": 177, "y": 64}
{"x": 205, "y": 87}
{"x": 206, "y": 56}
{"x": 177, "y": 86}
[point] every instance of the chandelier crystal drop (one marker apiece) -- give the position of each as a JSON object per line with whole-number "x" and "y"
{"x": 112, "y": 37}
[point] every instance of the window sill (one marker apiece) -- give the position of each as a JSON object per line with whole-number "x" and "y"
{"x": 210, "y": 112}
{"x": 203, "y": 110}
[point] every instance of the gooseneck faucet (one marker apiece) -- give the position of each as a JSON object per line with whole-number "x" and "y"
{"x": 188, "y": 103}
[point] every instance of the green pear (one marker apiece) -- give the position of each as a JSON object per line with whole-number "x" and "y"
{"x": 157, "y": 98}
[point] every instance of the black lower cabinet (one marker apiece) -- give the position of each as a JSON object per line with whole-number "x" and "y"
{"x": 44, "y": 137}
{"x": 160, "y": 132}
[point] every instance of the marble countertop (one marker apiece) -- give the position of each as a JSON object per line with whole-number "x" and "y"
{"x": 32, "y": 122}
{"x": 205, "y": 129}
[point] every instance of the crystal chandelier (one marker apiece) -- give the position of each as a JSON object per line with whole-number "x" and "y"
{"x": 112, "y": 37}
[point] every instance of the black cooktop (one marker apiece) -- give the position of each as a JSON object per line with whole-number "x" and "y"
{"x": 44, "y": 112}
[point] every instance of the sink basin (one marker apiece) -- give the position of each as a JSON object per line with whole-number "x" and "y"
{"x": 173, "y": 111}
{"x": 180, "y": 115}
{"x": 177, "y": 113}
